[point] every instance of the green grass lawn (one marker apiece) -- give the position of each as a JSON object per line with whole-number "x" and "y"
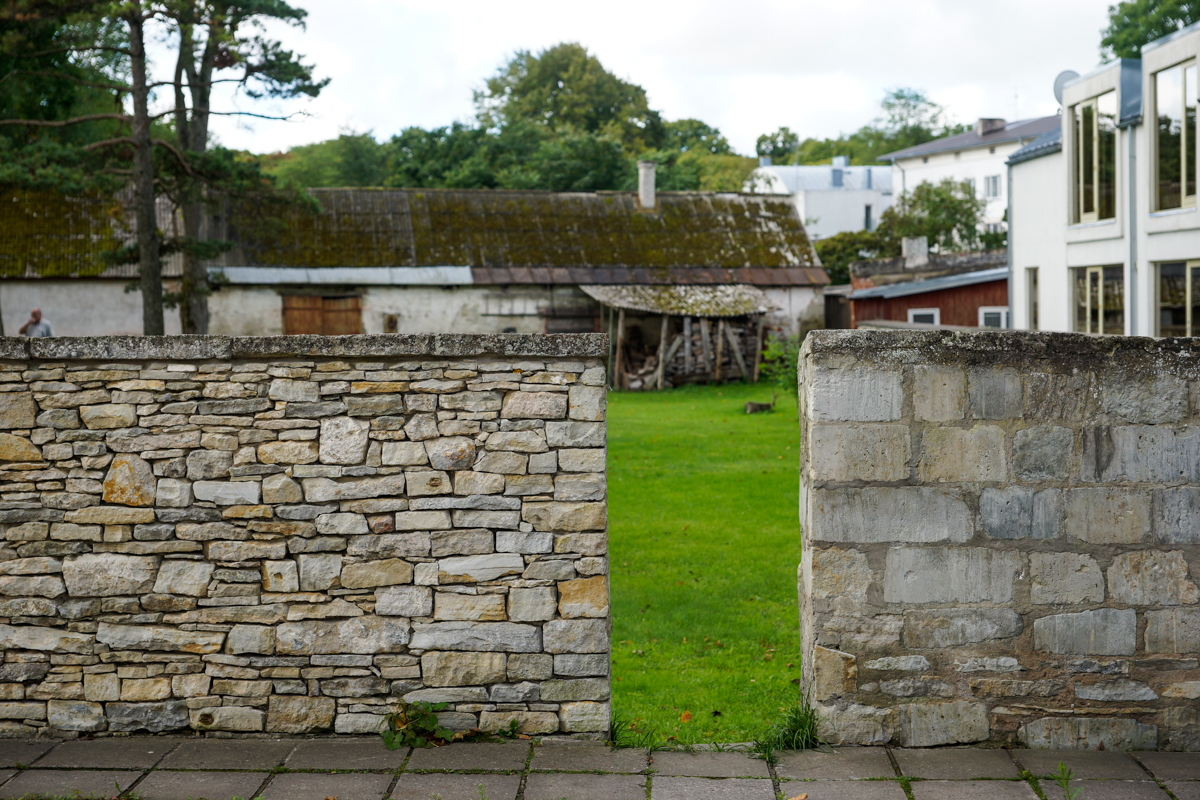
{"x": 704, "y": 543}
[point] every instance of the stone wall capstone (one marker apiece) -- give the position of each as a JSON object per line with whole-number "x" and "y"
{"x": 1001, "y": 538}
{"x": 292, "y": 534}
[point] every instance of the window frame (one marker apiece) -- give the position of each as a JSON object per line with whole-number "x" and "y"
{"x": 1186, "y": 202}
{"x": 988, "y": 183}
{"x": 1079, "y": 216}
{"x": 1191, "y": 277}
{"x": 1099, "y": 308}
{"x": 936, "y": 312}
{"x": 1001, "y": 310}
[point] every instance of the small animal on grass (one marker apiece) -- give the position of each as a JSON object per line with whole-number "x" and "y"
{"x": 762, "y": 408}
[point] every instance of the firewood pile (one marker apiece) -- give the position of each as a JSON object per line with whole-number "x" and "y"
{"x": 693, "y": 347}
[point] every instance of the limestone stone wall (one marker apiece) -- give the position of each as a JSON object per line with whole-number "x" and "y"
{"x": 1002, "y": 538}
{"x": 291, "y": 534}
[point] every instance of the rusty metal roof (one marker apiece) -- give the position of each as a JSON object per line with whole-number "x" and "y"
{"x": 684, "y": 301}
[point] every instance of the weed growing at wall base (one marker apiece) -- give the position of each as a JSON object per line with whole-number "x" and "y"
{"x": 704, "y": 544}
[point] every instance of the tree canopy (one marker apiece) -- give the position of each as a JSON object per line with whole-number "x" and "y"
{"x": 76, "y": 96}
{"x": 554, "y": 120}
{"x": 1135, "y": 23}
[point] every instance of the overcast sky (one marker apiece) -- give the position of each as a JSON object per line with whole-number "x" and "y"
{"x": 747, "y": 67}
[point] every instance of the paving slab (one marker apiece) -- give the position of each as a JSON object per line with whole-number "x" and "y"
{"x": 842, "y": 764}
{"x": 454, "y": 787}
{"x": 585, "y": 787}
{"x": 1185, "y": 790}
{"x": 123, "y": 753}
{"x": 709, "y": 765}
{"x": 359, "y": 754}
{"x": 315, "y": 786}
{"x": 956, "y": 764}
{"x": 488, "y": 756}
{"x": 66, "y": 782}
{"x": 663, "y": 788}
{"x": 1084, "y": 764}
{"x": 251, "y": 754}
{"x": 1108, "y": 790}
{"x": 161, "y": 785}
{"x": 588, "y": 758}
{"x": 971, "y": 790}
{"x": 1172, "y": 766}
{"x": 846, "y": 790}
{"x": 22, "y": 751}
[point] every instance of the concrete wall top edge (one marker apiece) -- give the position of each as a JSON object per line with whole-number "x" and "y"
{"x": 202, "y": 348}
{"x": 1018, "y": 349}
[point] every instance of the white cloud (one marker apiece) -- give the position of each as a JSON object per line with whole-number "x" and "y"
{"x": 818, "y": 67}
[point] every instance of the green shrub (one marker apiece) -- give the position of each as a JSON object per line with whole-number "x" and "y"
{"x": 780, "y": 361}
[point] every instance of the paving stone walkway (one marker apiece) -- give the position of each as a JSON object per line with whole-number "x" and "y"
{"x": 165, "y": 768}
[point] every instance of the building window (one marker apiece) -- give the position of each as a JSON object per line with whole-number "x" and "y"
{"x": 1179, "y": 298}
{"x": 991, "y": 187}
{"x": 993, "y": 316}
{"x": 868, "y": 223}
{"x": 324, "y": 316}
{"x": 1094, "y": 127}
{"x": 1099, "y": 300}
{"x": 1031, "y": 298}
{"x": 928, "y": 316}
{"x": 1175, "y": 137}
{"x": 970, "y": 186}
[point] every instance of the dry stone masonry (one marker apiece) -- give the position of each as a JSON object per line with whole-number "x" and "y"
{"x": 292, "y": 534}
{"x": 1001, "y": 538}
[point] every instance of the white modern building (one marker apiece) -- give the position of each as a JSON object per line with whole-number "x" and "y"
{"x": 1105, "y": 233}
{"x": 831, "y": 198}
{"x": 977, "y": 157}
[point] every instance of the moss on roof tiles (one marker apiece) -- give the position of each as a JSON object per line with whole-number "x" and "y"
{"x": 496, "y": 228}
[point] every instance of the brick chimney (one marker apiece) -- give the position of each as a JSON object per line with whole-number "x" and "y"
{"x": 986, "y": 125}
{"x": 646, "y": 196}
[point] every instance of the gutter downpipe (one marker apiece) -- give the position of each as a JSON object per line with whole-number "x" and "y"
{"x": 903, "y": 177}
{"x": 1009, "y": 256}
{"x": 1133, "y": 251}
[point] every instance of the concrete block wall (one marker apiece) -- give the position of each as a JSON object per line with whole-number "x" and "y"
{"x": 291, "y": 534}
{"x": 1001, "y": 538}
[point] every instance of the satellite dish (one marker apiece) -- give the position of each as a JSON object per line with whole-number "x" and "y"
{"x": 1064, "y": 77}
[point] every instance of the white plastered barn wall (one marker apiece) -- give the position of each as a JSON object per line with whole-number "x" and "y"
{"x": 1039, "y": 213}
{"x": 78, "y": 306}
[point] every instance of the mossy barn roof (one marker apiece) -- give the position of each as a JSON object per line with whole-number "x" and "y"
{"x": 503, "y": 236}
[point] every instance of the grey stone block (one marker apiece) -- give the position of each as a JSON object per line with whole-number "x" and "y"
{"x": 1177, "y": 515}
{"x": 995, "y": 393}
{"x": 949, "y": 575}
{"x": 1015, "y": 512}
{"x": 1080, "y": 733}
{"x": 1151, "y": 578}
{"x": 1141, "y": 454}
{"x": 938, "y": 393}
{"x": 1108, "y": 515}
{"x": 1064, "y": 579}
{"x": 859, "y": 395}
{"x": 957, "y": 627}
{"x": 911, "y": 514}
{"x": 859, "y": 452}
{"x": 1043, "y": 453}
{"x": 1152, "y": 399}
{"x": 1175, "y": 630}
{"x": 1102, "y": 632}
{"x": 930, "y": 724}
{"x": 955, "y": 454}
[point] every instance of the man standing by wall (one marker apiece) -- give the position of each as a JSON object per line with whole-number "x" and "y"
{"x": 37, "y": 327}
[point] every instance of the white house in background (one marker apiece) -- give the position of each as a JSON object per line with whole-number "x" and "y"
{"x": 831, "y": 198}
{"x": 1106, "y": 230}
{"x": 977, "y": 157}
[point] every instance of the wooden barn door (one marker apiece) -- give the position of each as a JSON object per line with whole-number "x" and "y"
{"x": 328, "y": 316}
